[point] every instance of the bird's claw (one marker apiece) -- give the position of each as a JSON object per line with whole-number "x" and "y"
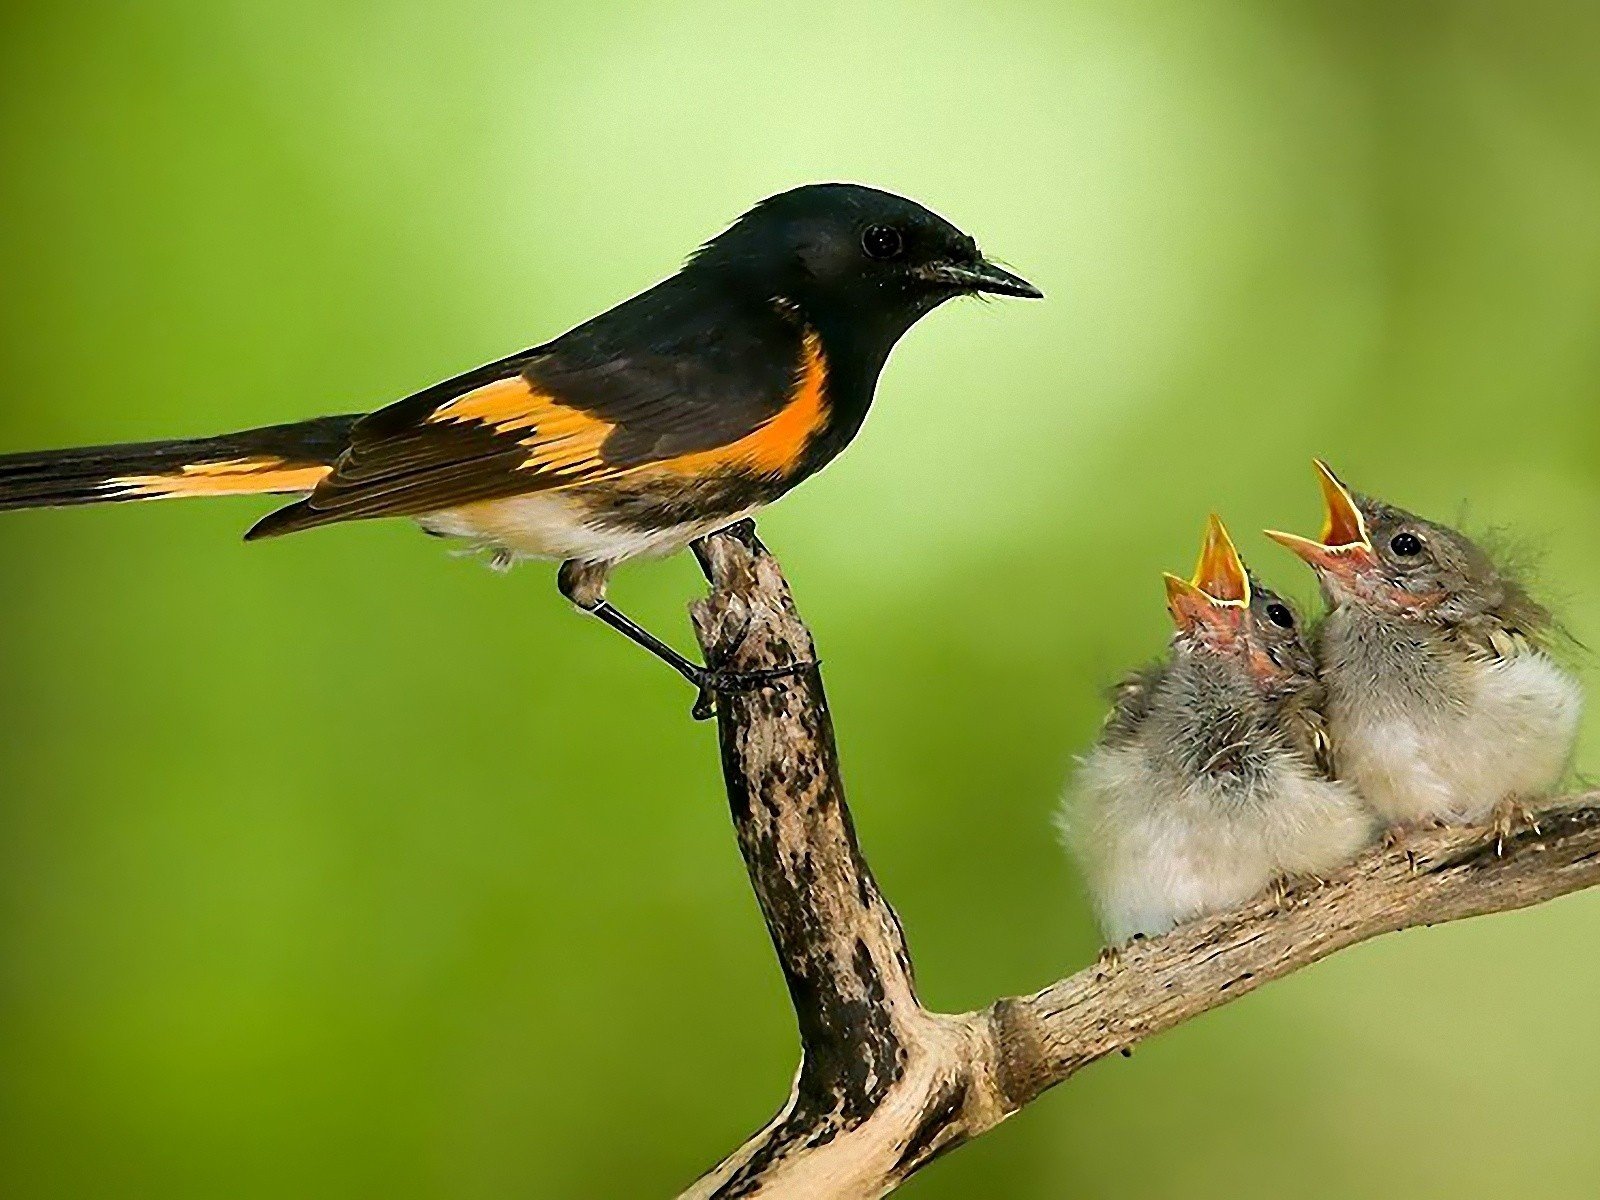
{"x": 715, "y": 682}
{"x": 1286, "y": 889}
{"x": 1395, "y": 838}
{"x": 1511, "y": 817}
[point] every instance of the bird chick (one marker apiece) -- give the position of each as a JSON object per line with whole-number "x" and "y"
{"x": 1443, "y": 702}
{"x": 1210, "y": 782}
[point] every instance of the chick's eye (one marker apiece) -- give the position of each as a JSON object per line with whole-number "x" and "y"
{"x": 1280, "y": 615}
{"x": 882, "y": 242}
{"x": 1406, "y": 545}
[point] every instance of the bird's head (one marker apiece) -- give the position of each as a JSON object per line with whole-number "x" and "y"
{"x": 1222, "y": 610}
{"x": 1373, "y": 555}
{"x": 844, "y": 252}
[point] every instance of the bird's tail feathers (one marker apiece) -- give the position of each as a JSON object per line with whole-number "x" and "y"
{"x": 277, "y": 459}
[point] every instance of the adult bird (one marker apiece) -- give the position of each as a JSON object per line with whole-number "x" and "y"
{"x": 676, "y": 413}
{"x": 1444, "y": 703}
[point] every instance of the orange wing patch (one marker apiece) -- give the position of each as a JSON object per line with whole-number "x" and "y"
{"x": 562, "y": 441}
{"x": 566, "y": 443}
{"x": 234, "y": 477}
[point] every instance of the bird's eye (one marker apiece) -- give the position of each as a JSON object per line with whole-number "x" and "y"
{"x": 882, "y": 242}
{"x": 1279, "y": 614}
{"x": 1406, "y": 545}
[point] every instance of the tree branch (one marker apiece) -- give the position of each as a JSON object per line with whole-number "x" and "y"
{"x": 884, "y": 1085}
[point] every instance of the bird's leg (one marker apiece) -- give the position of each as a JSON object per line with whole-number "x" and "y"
{"x": 584, "y": 584}
{"x": 640, "y": 636}
{"x": 1510, "y": 817}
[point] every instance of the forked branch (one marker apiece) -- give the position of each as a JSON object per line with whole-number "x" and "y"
{"x": 884, "y": 1085}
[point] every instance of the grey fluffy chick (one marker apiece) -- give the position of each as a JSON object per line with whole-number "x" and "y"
{"x": 1210, "y": 781}
{"x": 1444, "y": 704}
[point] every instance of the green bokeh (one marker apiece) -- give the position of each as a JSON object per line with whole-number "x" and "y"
{"x": 338, "y": 867}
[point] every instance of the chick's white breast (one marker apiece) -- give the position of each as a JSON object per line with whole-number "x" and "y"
{"x": 1158, "y": 848}
{"x": 1497, "y": 729}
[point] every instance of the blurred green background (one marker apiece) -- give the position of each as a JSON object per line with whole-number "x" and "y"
{"x": 339, "y": 867}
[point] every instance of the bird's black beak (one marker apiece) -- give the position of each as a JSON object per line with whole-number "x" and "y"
{"x": 984, "y": 276}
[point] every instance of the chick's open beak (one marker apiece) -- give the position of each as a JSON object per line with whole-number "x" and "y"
{"x": 1344, "y": 546}
{"x": 1218, "y": 595}
{"x": 1220, "y": 571}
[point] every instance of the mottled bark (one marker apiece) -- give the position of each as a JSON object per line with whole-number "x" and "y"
{"x": 885, "y": 1086}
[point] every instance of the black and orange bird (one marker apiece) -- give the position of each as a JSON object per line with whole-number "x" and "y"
{"x": 672, "y": 415}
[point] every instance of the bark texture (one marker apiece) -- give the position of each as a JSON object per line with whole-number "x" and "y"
{"x": 885, "y": 1086}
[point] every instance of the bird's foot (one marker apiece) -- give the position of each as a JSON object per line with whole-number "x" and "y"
{"x": 1395, "y": 838}
{"x": 714, "y": 682}
{"x": 1284, "y": 888}
{"x": 1509, "y": 818}
{"x": 1110, "y": 959}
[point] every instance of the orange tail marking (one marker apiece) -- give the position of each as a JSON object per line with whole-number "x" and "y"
{"x": 235, "y": 477}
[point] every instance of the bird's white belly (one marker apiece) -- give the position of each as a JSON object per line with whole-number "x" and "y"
{"x": 1157, "y": 852}
{"x": 552, "y": 525}
{"x": 1510, "y": 739}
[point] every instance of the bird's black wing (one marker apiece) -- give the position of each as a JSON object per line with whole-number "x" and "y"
{"x": 591, "y": 407}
